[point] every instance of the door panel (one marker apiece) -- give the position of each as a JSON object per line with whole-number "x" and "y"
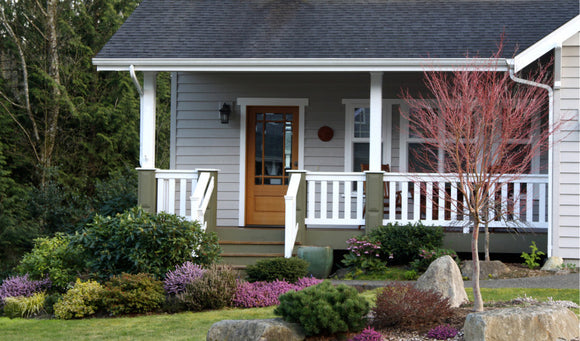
{"x": 272, "y": 150}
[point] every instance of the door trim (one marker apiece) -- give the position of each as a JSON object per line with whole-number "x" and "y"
{"x": 245, "y": 102}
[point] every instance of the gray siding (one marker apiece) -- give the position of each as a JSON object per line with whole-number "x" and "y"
{"x": 567, "y": 198}
{"x": 202, "y": 142}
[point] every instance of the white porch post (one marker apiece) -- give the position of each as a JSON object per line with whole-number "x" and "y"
{"x": 147, "y": 126}
{"x": 376, "y": 104}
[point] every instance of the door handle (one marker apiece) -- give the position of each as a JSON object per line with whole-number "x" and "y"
{"x": 296, "y": 164}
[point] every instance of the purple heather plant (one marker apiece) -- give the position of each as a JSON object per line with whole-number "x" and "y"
{"x": 22, "y": 286}
{"x": 176, "y": 281}
{"x": 265, "y": 294}
{"x": 368, "y": 334}
{"x": 442, "y": 332}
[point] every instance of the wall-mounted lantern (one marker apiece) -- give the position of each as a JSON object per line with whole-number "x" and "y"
{"x": 225, "y": 112}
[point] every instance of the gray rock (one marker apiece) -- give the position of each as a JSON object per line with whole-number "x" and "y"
{"x": 255, "y": 330}
{"x": 532, "y": 323}
{"x": 443, "y": 276}
{"x": 487, "y": 269}
{"x": 553, "y": 264}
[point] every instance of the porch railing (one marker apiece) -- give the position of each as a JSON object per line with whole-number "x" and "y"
{"x": 338, "y": 199}
{"x": 174, "y": 190}
{"x": 204, "y": 200}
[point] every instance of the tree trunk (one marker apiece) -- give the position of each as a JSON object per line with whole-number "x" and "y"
{"x": 487, "y": 241}
{"x": 477, "y": 299}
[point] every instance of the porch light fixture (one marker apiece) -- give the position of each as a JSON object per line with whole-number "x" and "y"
{"x": 225, "y": 112}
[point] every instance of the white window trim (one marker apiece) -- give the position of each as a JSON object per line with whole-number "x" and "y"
{"x": 387, "y": 131}
{"x": 244, "y": 103}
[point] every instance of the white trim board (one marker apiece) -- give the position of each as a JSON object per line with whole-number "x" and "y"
{"x": 245, "y": 102}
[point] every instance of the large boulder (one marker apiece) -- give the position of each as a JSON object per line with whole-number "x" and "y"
{"x": 553, "y": 264}
{"x": 255, "y": 330}
{"x": 487, "y": 269}
{"x": 532, "y": 323}
{"x": 443, "y": 276}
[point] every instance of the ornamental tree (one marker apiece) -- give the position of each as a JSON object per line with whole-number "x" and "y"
{"x": 489, "y": 129}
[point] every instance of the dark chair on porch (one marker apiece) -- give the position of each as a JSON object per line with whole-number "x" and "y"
{"x": 386, "y": 192}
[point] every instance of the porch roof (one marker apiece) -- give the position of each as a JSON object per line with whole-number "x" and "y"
{"x": 347, "y": 34}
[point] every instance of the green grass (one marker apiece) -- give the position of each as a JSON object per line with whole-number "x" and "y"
{"x": 182, "y": 326}
{"x": 194, "y": 326}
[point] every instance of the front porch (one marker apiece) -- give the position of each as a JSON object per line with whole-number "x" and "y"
{"x": 330, "y": 207}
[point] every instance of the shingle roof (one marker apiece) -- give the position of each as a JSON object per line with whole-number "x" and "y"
{"x": 334, "y": 28}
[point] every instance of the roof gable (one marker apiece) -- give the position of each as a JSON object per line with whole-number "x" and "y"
{"x": 191, "y": 29}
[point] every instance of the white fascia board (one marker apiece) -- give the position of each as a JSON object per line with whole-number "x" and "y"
{"x": 552, "y": 40}
{"x": 303, "y": 65}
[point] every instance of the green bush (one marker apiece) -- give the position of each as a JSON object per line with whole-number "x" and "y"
{"x": 426, "y": 257}
{"x": 83, "y": 299}
{"x": 289, "y": 269}
{"x": 24, "y": 306}
{"x": 214, "y": 290}
{"x": 53, "y": 257}
{"x": 403, "y": 242}
{"x": 324, "y": 309}
{"x": 141, "y": 242}
{"x": 128, "y": 294}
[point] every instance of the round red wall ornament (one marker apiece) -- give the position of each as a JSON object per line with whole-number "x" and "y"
{"x": 325, "y": 133}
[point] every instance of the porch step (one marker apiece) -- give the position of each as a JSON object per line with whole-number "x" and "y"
{"x": 245, "y": 246}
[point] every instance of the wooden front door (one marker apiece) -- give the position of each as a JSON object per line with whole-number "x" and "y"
{"x": 272, "y": 150}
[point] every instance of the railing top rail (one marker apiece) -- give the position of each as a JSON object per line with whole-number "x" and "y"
{"x": 449, "y": 177}
{"x": 176, "y": 174}
{"x": 353, "y": 176}
{"x": 293, "y": 187}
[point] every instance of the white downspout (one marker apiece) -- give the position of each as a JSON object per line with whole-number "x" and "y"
{"x": 548, "y": 88}
{"x": 135, "y": 80}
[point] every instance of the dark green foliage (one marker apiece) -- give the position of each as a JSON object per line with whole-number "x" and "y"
{"x": 324, "y": 309}
{"x": 117, "y": 193}
{"x": 214, "y": 290}
{"x": 137, "y": 241}
{"x": 403, "y": 242}
{"x": 54, "y": 258}
{"x": 289, "y": 269}
{"x": 401, "y": 304}
{"x": 128, "y": 294}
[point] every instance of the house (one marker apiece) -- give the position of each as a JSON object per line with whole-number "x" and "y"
{"x": 311, "y": 88}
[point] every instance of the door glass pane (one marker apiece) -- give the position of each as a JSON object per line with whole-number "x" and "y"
{"x": 361, "y": 122}
{"x": 288, "y": 145}
{"x": 274, "y": 117}
{"x": 259, "y": 144}
{"x": 273, "y": 148}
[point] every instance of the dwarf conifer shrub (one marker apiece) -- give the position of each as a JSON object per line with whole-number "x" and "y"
{"x": 128, "y": 294}
{"x": 401, "y": 304}
{"x": 289, "y": 269}
{"x": 403, "y": 242}
{"x": 83, "y": 299}
{"x": 214, "y": 290}
{"x": 324, "y": 309}
{"x": 25, "y": 306}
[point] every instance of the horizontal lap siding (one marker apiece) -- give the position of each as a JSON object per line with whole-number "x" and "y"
{"x": 568, "y": 198}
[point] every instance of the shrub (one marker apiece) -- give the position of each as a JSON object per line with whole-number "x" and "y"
{"x": 141, "y": 242}
{"x": 176, "y": 281}
{"x": 214, "y": 290}
{"x": 24, "y": 306}
{"x": 368, "y": 334}
{"x": 426, "y": 257}
{"x": 55, "y": 258}
{"x": 401, "y": 304}
{"x": 21, "y": 286}
{"x": 324, "y": 309}
{"x": 289, "y": 269}
{"x": 442, "y": 332}
{"x": 403, "y": 242}
{"x": 83, "y": 299}
{"x": 265, "y": 294}
{"x": 532, "y": 259}
{"x": 364, "y": 255}
{"x": 128, "y": 294}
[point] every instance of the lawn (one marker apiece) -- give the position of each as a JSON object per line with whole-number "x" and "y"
{"x": 194, "y": 326}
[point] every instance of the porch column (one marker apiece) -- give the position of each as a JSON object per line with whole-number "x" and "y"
{"x": 147, "y": 126}
{"x": 374, "y": 200}
{"x": 376, "y": 124}
{"x": 147, "y": 190}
